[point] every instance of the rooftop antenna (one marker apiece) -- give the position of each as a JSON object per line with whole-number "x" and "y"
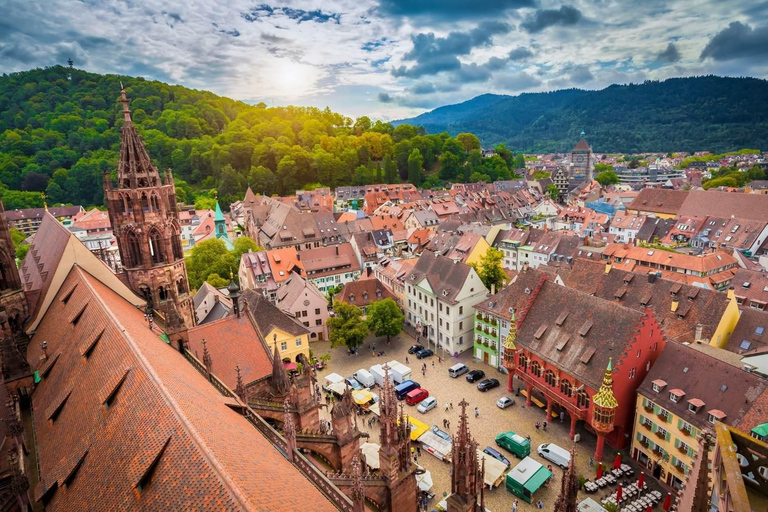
{"x": 69, "y": 71}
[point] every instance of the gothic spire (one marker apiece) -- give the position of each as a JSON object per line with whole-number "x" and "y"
{"x": 207, "y": 361}
{"x": 569, "y": 488}
{"x": 605, "y": 397}
{"x": 358, "y": 491}
{"x": 280, "y": 383}
{"x": 134, "y": 169}
{"x": 239, "y": 387}
{"x": 466, "y": 475}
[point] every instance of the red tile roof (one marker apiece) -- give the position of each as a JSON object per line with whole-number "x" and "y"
{"x": 163, "y": 420}
{"x": 232, "y": 341}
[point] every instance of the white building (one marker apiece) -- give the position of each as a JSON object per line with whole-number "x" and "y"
{"x": 441, "y": 294}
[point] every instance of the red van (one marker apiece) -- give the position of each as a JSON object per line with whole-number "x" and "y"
{"x": 416, "y": 396}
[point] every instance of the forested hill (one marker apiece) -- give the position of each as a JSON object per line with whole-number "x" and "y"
{"x": 58, "y": 136}
{"x": 679, "y": 114}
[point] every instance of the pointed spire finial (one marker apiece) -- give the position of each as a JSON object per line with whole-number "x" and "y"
{"x": 124, "y": 101}
{"x": 604, "y": 396}
{"x": 45, "y": 205}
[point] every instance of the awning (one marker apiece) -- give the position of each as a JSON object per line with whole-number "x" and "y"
{"x": 537, "y": 480}
{"x": 375, "y": 409}
{"x": 417, "y": 428}
{"x": 290, "y": 366}
{"x": 333, "y": 378}
{"x": 362, "y": 397}
{"x": 371, "y": 454}
{"x": 494, "y": 469}
{"x": 424, "y": 480}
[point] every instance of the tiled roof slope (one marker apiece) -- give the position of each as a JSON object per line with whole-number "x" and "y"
{"x": 659, "y": 200}
{"x": 43, "y": 256}
{"x": 613, "y": 327}
{"x": 513, "y": 296}
{"x": 696, "y": 305}
{"x": 751, "y": 333}
{"x": 231, "y": 342}
{"x": 445, "y": 276}
{"x": 718, "y": 384}
{"x": 365, "y": 292}
{"x": 163, "y": 415}
{"x": 725, "y": 204}
{"x": 268, "y": 316}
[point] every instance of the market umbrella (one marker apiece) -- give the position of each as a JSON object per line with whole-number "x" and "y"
{"x": 668, "y": 501}
{"x": 599, "y": 470}
{"x": 424, "y": 480}
{"x": 618, "y": 494}
{"x": 617, "y": 461}
{"x": 291, "y": 367}
{"x": 371, "y": 454}
{"x": 641, "y": 481}
{"x": 649, "y": 509}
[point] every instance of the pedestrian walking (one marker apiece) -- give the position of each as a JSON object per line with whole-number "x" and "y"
{"x": 538, "y": 425}
{"x": 446, "y": 407}
{"x": 477, "y": 413}
{"x": 433, "y": 363}
{"x": 418, "y": 450}
{"x": 545, "y": 426}
{"x": 448, "y": 424}
{"x": 591, "y": 462}
{"x": 439, "y": 360}
{"x": 451, "y": 405}
{"x": 424, "y": 372}
{"x": 562, "y": 416}
{"x": 406, "y": 359}
{"x": 445, "y": 423}
{"x": 540, "y": 504}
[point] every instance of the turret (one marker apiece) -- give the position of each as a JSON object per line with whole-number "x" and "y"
{"x": 604, "y": 405}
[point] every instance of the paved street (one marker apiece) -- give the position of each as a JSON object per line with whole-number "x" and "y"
{"x": 490, "y": 422}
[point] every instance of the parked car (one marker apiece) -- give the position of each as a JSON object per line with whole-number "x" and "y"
{"x": 416, "y": 396}
{"x": 554, "y": 453}
{"x": 475, "y": 375}
{"x": 516, "y": 444}
{"x": 354, "y": 384}
{"x": 402, "y": 389}
{"x": 440, "y": 433}
{"x": 496, "y": 455}
{"x": 427, "y": 404}
{"x": 458, "y": 369}
{"x": 487, "y": 384}
{"x": 415, "y": 348}
{"x": 421, "y": 354}
{"x": 504, "y": 402}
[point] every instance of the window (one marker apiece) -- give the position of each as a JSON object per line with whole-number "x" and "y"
{"x": 711, "y": 418}
{"x": 673, "y": 397}
{"x": 447, "y": 310}
{"x": 638, "y": 354}
{"x": 304, "y": 313}
{"x": 461, "y": 310}
{"x": 565, "y": 388}
{"x": 661, "y": 432}
{"x": 656, "y": 388}
{"x": 693, "y": 408}
{"x": 536, "y": 368}
{"x": 318, "y": 322}
{"x": 306, "y": 324}
{"x": 440, "y": 306}
{"x": 298, "y": 342}
{"x": 663, "y": 414}
{"x": 549, "y": 378}
{"x": 284, "y": 346}
{"x": 317, "y": 311}
{"x": 461, "y": 325}
{"x": 632, "y": 373}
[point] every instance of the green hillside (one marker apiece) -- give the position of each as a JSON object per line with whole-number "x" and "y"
{"x": 679, "y": 114}
{"x": 58, "y": 136}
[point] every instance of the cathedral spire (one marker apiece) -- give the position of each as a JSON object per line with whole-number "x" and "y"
{"x": 124, "y": 101}
{"x": 569, "y": 488}
{"x": 280, "y": 384}
{"x": 134, "y": 169}
{"x": 467, "y": 475}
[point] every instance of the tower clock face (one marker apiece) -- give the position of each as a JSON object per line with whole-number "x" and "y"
{"x": 580, "y": 159}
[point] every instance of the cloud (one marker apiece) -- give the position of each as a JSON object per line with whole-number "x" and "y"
{"x": 544, "y": 18}
{"x": 433, "y": 54}
{"x": 451, "y": 9}
{"x": 737, "y": 41}
{"x": 385, "y": 97}
{"x": 298, "y": 15}
{"x": 520, "y": 53}
{"x": 516, "y": 82}
{"x": 572, "y": 75}
{"x": 670, "y": 55}
{"x": 423, "y": 88}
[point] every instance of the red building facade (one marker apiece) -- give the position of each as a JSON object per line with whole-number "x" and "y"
{"x": 567, "y": 343}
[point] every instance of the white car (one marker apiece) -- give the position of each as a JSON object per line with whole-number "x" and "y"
{"x": 504, "y": 402}
{"x": 556, "y": 454}
{"x": 428, "y": 403}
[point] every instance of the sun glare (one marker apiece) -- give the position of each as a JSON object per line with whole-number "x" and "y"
{"x": 291, "y": 79}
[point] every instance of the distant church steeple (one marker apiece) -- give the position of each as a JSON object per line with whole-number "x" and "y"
{"x": 145, "y": 220}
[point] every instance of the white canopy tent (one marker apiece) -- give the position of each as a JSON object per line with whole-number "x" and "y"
{"x": 371, "y": 454}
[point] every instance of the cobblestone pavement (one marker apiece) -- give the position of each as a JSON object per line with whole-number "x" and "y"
{"x": 491, "y": 420}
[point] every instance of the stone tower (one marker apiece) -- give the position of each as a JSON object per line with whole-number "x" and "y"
{"x": 604, "y": 407}
{"x": 145, "y": 220}
{"x": 396, "y": 467}
{"x": 466, "y": 475}
{"x": 13, "y": 306}
{"x": 583, "y": 159}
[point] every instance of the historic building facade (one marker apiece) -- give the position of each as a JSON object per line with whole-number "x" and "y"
{"x": 144, "y": 215}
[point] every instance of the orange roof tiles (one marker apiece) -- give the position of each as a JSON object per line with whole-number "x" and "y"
{"x": 164, "y": 426}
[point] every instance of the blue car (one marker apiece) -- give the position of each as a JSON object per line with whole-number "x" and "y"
{"x": 426, "y": 352}
{"x": 496, "y": 455}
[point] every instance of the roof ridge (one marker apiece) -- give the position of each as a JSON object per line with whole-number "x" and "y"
{"x": 167, "y": 397}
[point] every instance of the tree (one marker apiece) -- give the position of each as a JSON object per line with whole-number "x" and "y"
{"x": 209, "y": 257}
{"x": 468, "y": 141}
{"x": 347, "y": 326}
{"x": 242, "y": 245}
{"x": 415, "y": 162}
{"x": 489, "y": 268}
{"x": 606, "y": 178}
{"x": 217, "y": 281}
{"x": 385, "y": 318}
{"x": 553, "y": 192}
{"x": 519, "y": 162}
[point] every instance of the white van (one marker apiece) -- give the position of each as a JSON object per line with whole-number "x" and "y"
{"x": 364, "y": 377}
{"x": 457, "y": 370}
{"x": 556, "y": 454}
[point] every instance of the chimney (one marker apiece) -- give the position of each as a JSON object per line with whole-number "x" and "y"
{"x": 525, "y": 266}
{"x": 699, "y": 332}
{"x": 493, "y": 288}
{"x": 298, "y": 256}
{"x": 652, "y": 277}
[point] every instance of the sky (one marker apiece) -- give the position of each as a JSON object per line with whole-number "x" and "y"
{"x": 388, "y": 59}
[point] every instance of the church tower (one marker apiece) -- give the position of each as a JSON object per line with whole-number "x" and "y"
{"x": 145, "y": 220}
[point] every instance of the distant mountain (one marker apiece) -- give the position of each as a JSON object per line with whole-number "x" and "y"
{"x": 679, "y": 114}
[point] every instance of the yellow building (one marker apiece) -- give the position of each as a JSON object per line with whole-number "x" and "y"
{"x": 727, "y": 323}
{"x": 478, "y": 251}
{"x": 277, "y": 327}
{"x": 674, "y": 404}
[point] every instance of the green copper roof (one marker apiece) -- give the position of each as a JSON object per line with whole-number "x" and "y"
{"x": 219, "y": 217}
{"x": 761, "y": 430}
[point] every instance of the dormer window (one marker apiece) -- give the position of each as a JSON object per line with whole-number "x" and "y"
{"x": 695, "y": 405}
{"x": 659, "y": 385}
{"x": 715, "y": 415}
{"x": 675, "y": 395}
